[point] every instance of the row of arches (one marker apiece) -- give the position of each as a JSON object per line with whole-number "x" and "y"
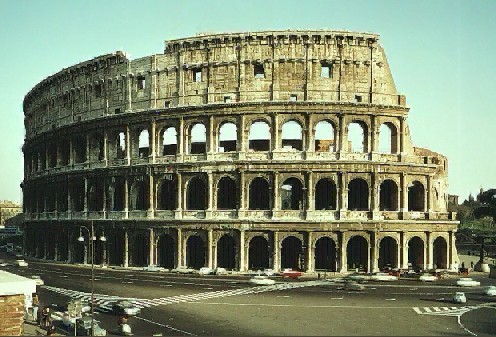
{"x": 292, "y": 194}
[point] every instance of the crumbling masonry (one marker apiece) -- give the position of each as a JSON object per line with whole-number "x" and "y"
{"x": 235, "y": 151}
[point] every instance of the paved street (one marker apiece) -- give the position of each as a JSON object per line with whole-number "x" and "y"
{"x": 227, "y": 305}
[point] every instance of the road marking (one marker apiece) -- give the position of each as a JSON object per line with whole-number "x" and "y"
{"x": 165, "y": 326}
{"x": 390, "y": 299}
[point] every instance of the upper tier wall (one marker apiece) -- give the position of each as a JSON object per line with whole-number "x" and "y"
{"x": 315, "y": 66}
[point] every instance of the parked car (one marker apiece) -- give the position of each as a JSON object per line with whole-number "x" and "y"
{"x": 183, "y": 270}
{"x": 38, "y": 280}
{"x": 21, "y": 263}
{"x": 124, "y": 307}
{"x": 220, "y": 271}
{"x": 490, "y": 291}
{"x": 262, "y": 280}
{"x": 459, "y": 297}
{"x": 383, "y": 277}
{"x": 205, "y": 271}
{"x": 83, "y": 327}
{"x": 294, "y": 274}
{"x": 467, "y": 282}
{"x": 269, "y": 272}
{"x": 427, "y": 277}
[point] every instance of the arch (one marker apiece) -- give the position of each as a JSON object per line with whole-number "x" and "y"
{"x": 195, "y": 252}
{"x": 292, "y": 194}
{"x": 325, "y": 194}
{"x": 166, "y": 251}
{"x": 118, "y": 197}
{"x": 144, "y": 144}
{"x": 198, "y": 139}
{"x": 115, "y": 247}
{"x": 139, "y": 196}
{"x": 196, "y": 194}
{"x": 259, "y": 136}
{"x": 292, "y": 136}
{"x": 388, "y": 136}
{"x": 259, "y": 194}
{"x": 357, "y": 253}
{"x": 77, "y": 194}
{"x": 167, "y": 195}
{"x": 258, "y": 253}
{"x": 226, "y": 194}
{"x": 357, "y": 140}
{"x": 325, "y": 254}
{"x": 226, "y": 252}
{"x": 79, "y": 148}
{"x": 292, "y": 253}
{"x": 388, "y": 196}
{"x": 96, "y": 147}
{"x": 358, "y": 195}
{"x": 388, "y": 253}
{"x": 440, "y": 253}
{"x": 95, "y": 195}
{"x": 416, "y": 253}
{"x": 228, "y": 135}
{"x": 325, "y": 137}
{"x": 139, "y": 250}
{"x": 416, "y": 195}
{"x": 169, "y": 141}
{"x": 120, "y": 146}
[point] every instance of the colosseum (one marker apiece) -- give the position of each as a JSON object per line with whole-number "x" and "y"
{"x": 271, "y": 149}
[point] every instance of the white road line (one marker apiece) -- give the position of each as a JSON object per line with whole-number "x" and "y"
{"x": 427, "y": 309}
{"x": 417, "y": 310}
{"x": 436, "y": 309}
{"x": 165, "y": 326}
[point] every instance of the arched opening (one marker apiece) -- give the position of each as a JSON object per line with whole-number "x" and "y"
{"x": 258, "y": 253}
{"x": 169, "y": 141}
{"x": 259, "y": 194}
{"x": 118, "y": 194}
{"x": 324, "y": 137}
{"x": 325, "y": 254}
{"x": 292, "y": 253}
{"x": 292, "y": 136}
{"x": 388, "y": 253}
{"x": 79, "y": 147}
{"x": 115, "y": 247}
{"x": 440, "y": 253}
{"x": 64, "y": 152}
{"x": 96, "y": 147}
{"x": 167, "y": 197}
{"x": 95, "y": 195}
{"x": 388, "y": 196}
{"x": 76, "y": 191}
{"x": 198, "y": 139}
{"x": 195, "y": 252}
{"x": 358, "y": 195}
{"x": 292, "y": 194}
{"x": 166, "y": 249}
{"x": 357, "y": 253}
{"x": 325, "y": 194}
{"x": 226, "y": 252}
{"x": 144, "y": 144}
{"x": 416, "y": 197}
{"x": 357, "y": 142}
{"x": 388, "y": 138}
{"x": 120, "y": 149}
{"x": 52, "y": 155}
{"x": 259, "y": 137}
{"x": 227, "y": 138}
{"x": 226, "y": 194}
{"x": 139, "y": 196}
{"x": 196, "y": 196}
{"x": 416, "y": 253}
{"x": 139, "y": 250}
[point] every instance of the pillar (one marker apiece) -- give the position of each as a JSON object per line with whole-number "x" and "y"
{"x": 153, "y": 139}
{"x": 210, "y": 248}
{"x": 210, "y": 183}
{"x": 428, "y": 257}
{"x": 180, "y": 138}
{"x": 105, "y": 147}
{"x": 373, "y": 259}
{"x": 343, "y": 268}
{"x": 276, "y": 261}
{"x": 310, "y": 138}
{"x": 373, "y": 135}
{"x": 179, "y": 262}
{"x": 242, "y": 191}
{"x": 86, "y": 194}
{"x": 403, "y": 193}
{"x": 402, "y": 133}
{"x": 404, "y": 251}
{"x": 341, "y": 134}
{"x": 275, "y": 133}
{"x": 128, "y": 146}
{"x": 70, "y": 246}
{"x": 126, "y": 198}
{"x": 151, "y": 236}
{"x": 241, "y": 143}
{"x": 242, "y": 262}
{"x": 310, "y": 192}
{"x": 310, "y": 253}
{"x": 151, "y": 196}
{"x": 126, "y": 249}
{"x": 452, "y": 262}
{"x": 428, "y": 201}
{"x": 179, "y": 195}
{"x": 276, "y": 201}
{"x": 211, "y": 135}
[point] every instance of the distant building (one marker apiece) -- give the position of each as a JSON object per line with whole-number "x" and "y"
{"x": 8, "y": 209}
{"x": 452, "y": 200}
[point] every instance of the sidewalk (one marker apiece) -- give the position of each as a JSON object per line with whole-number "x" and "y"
{"x": 33, "y": 329}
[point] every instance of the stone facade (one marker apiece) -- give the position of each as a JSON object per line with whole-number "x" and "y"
{"x": 234, "y": 150}
{"x": 12, "y": 315}
{"x": 8, "y": 209}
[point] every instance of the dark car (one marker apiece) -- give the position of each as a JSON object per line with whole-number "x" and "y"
{"x": 125, "y": 308}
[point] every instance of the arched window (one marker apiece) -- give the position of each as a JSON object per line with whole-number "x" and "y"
{"x": 227, "y": 138}
{"x": 169, "y": 141}
{"x": 259, "y": 194}
{"x": 358, "y": 195}
{"x": 325, "y": 194}
{"x": 324, "y": 137}
{"x": 292, "y": 194}
{"x": 198, "y": 139}
{"x": 357, "y": 140}
{"x": 357, "y": 253}
{"x": 196, "y": 198}
{"x": 259, "y": 137}
{"x": 144, "y": 144}
{"x": 416, "y": 197}
{"x": 388, "y": 138}
{"x": 388, "y": 196}
{"x": 167, "y": 195}
{"x": 139, "y": 196}
{"x": 226, "y": 195}
{"x": 292, "y": 136}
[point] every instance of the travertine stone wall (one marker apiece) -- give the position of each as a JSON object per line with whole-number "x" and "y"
{"x": 11, "y": 315}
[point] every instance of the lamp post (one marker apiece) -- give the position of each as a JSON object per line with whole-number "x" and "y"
{"x": 91, "y": 242}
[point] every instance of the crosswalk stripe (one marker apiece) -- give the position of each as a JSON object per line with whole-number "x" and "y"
{"x": 417, "y": 310}
{"x": 436, "y": 309}
{"x": 427, "y": 309}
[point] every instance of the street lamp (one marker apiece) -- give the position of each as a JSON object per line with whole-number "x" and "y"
{"x": 91, "y": 234}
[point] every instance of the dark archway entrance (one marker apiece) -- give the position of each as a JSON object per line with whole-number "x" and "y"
{"x": 416, "y": 197}
{"x": 226, "y": 252}
{"x": 388, "y": 253}
{"x": 195, "y": 252}
{"x": 439, "y": 253}
{"x": 388, "y": 196}
{"x": 196, "y": 194}
{"x": 140, "y": 250}
{"x": 292, "y": 194}
{"x": 358, "y": 195}
{"x": 226, "y": 194}
{"x": 325, "y": 254}
{"x": 259, "y": 194}
{"x": 325, "y": 194}
{"x": 291, "y": 253}
{"x": 166, "y": 249}
{"x": 115, "y": 247}
{"x": 168, "y": 195}
{"x": 416, "y": 253}
{"x": 258, "y": 253}
{"x": 357, "y": 252}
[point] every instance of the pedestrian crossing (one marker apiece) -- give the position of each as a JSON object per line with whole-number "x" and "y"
{"x": 104, "y": 302}
{"x": 443, "y": 311}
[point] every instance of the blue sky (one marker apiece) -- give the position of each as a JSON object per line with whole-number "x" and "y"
{"x": 441, "y": 54}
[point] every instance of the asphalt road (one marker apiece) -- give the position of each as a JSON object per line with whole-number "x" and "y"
{"x": 189, "y": 305}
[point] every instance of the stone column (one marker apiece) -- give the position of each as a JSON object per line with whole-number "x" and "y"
{"x": 310, "y": 192}
{"x": 310, "y": 253}
{"x": 151, "y": 236}
{"x": 129, "y": 80}
{"x": 242, "y": 192}
{"x": 210, "y": 193}
{"x": 430, "y": 250}
{"x": 275, "y": 141}
{"x": 343, "y": 268}
{"x": 151, "y": 208}
{"x": 241, "y": 137}
{"x": 128, "y": 146}
{"x": 105, "y": 147}
{"x": 126, "y": 249}
{"x": 70, "y": 246}
{"x": 310, "y": 132}
{"x": 180, "y": 193}
{"x": 71, "y": 153}
{"x": 402, "y": 134}
{"x": 276, "y": 201}
{"x": 211, "y": 136}
{"x": 88, "y": 149}
{"x": 179, "y": 262}
{"x": 276, "y": 249}
{"x": 403, "y": 193}
{"x": 452, "y": 263}
{"x": 404, "y": 247}
{"x": 210, "y": 248}
{"x": 373, "y": 135}
{"x": 242, "y": 264}
{"x": 153, "y": 140}
{"x": 342, "y": 139}
{"x": 373, "y": 259}
{"x": 398, "y": 253}
{"x": 86, "y": 194}
{"x": 428, "y": 192}
{"x": 343, "y": 195}
{"x": 126, "y": 197}
{"x": 180, "y": 138}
